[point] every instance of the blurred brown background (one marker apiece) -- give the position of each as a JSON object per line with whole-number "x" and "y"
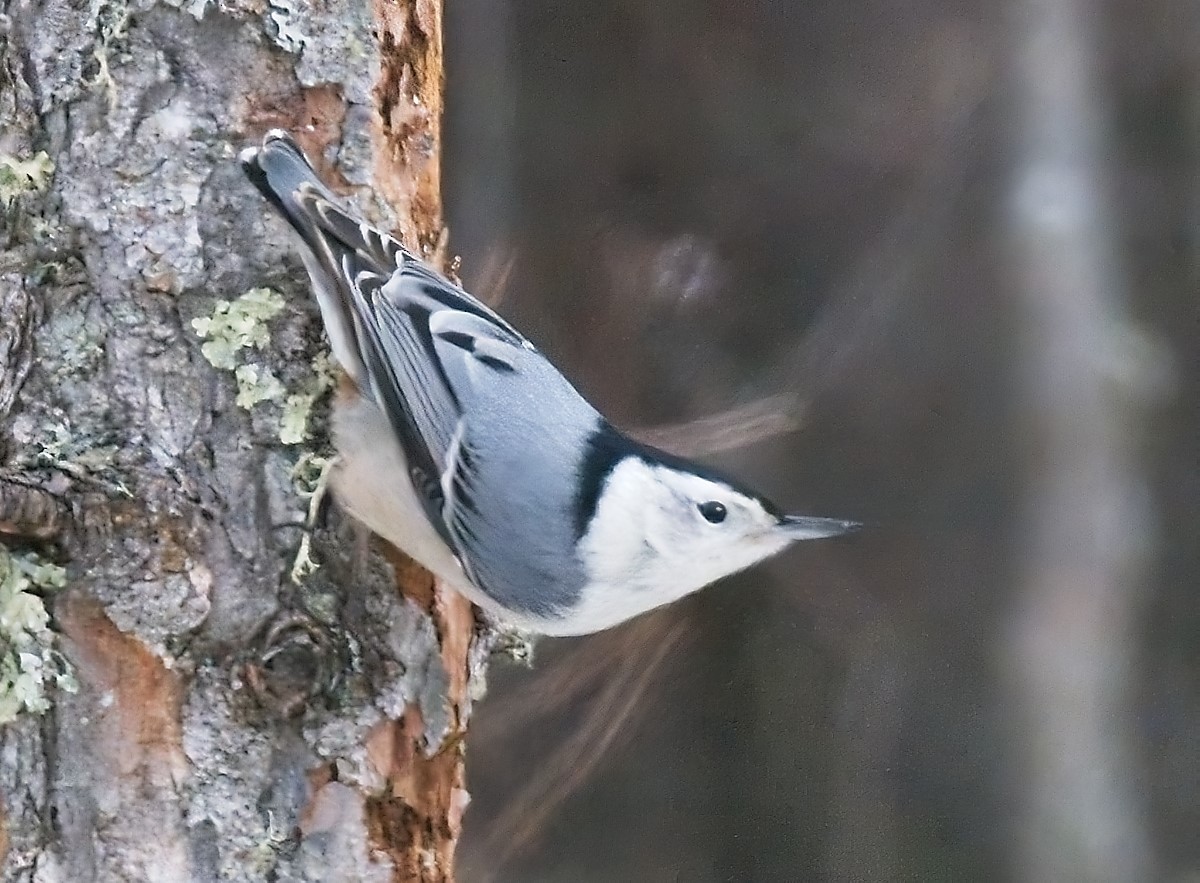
{"x": 946, "y": 255}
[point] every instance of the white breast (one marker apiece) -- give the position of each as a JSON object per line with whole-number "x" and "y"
{"x": 627, "y": 578}
{"x": 371, "y": 483}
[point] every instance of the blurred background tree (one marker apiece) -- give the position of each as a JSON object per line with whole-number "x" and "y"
{"x": 942, "y": 264}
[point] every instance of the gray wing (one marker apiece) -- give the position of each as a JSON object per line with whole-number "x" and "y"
{"x": 427, "y": 362}
{"x": 509, "y": 486}
{"x": 500, "y": 429}
{"x": 424, "y": 345}
{"x": 484, "y": 419}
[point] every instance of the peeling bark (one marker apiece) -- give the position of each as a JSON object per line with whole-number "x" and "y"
{"x": 229, "y": 724}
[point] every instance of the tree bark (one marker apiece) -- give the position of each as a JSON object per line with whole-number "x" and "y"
{"x": 229, "y": 722}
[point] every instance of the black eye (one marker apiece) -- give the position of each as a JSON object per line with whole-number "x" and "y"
{"x": 712, "y": 511}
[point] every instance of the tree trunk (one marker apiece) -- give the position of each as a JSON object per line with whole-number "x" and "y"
{"x": 1070, "y": 658}
{"x": 235, "y": 714}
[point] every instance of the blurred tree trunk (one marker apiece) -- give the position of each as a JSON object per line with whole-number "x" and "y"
{"x": 230, "y": 722}
{"x": 1069, "y": 660}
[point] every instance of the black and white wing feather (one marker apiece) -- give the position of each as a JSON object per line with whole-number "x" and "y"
{"x": 414, "y": 342}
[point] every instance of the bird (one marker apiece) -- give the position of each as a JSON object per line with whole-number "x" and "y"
{"x": 463, "y": 446}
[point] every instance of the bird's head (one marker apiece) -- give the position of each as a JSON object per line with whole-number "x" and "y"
{"x": 675, "y": 526}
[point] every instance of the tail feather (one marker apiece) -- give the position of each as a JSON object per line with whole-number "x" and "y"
{"x": 279, "y": 169}
{"x": 281, "y": 172}
{"x": 342, "y": 253}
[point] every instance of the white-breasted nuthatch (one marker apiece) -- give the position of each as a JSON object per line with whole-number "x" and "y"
{"x": 469, "y": 451}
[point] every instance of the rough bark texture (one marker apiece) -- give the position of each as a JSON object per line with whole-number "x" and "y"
{"x": 230, "y": 723}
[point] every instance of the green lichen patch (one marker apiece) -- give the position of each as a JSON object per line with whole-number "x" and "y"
{"x": 236, "y": 325}
{"x": 29, "y": 661}
{"x": 297, "y": 409}
{"x": 109, "y": 22}
{"x": 18, "y": 176}
{"x": 257, "y": 384}
{"x": 22, "y": 183}
{"x": 231, "y": 333}
{"x": 80, "y": 456}
{"x": 310, "y": 477}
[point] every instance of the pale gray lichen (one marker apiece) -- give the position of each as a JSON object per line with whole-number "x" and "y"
{"x": 230, "y": 760}
{"x": 78, "y": 352}
{"x": 56, "y": 446}
{"x": 408, "y": 670}
{"x": 194, "y": 8}
{"x": 285, "y": 22}
{"x": 326, "y": 42}
{"x": 29, "y": 659}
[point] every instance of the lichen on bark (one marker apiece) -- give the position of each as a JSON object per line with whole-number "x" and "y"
{"x": 230, "y": 724}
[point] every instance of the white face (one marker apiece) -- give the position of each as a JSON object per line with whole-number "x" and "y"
{"x": 704, "y": 530}
{"x": 659, "y": 534}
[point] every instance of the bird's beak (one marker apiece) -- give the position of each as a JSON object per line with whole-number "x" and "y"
{"x": 802, "y": 527}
